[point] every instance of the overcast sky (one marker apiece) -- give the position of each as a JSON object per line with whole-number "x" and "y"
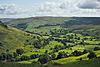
{"x": 66, "y": 8}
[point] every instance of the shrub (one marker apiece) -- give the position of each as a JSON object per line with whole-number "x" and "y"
{"x": 61, "y": 55}
{"x": 33, "y": 56}
{"x": 91, "y": 55}
{"x": 96, "y": 48}
{"x": 24, "y": 58}
{"x": 77, "y": 53}
{"x": 85, "y": 51}
{"x": 44, "y": 59}
{"x": 19, "y": 51}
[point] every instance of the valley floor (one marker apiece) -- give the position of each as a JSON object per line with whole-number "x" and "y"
{"x": 90, "y": 63}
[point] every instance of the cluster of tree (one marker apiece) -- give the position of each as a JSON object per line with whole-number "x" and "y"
{"x": 37, "y": 42}
{"x": 41, "y": 58}
{"x": 4, "y": 25}
{"x": 78, "y": 53}
{"x": 81, "y": 30}
{"x": 96, "y": 48}
{"x": 25, "y": 58}
{"x": 6, "y": 56}
{"x": 40, "y": 43}
{"x": 21, "y": 26}
{"x": 62, "y": 55}
{"x": 44, "y": 58}
{"x": 11, "y": 56}
{"x": 58, "y": 32}
{"x": 88, "y": 32}
{"x": 91, "y": 55}
{"x": 1, "y": 44}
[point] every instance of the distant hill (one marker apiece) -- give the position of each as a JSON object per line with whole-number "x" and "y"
{"x": 42, "y": 25}
{"x": 30, "y": 23}
{"x": 6, "y": 19}
{"x": 34, "y": 22}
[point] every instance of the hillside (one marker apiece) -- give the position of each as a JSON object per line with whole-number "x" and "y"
{"x": 7, "y": 19}
{"x": 11, "y": 38}
{"x": 43, "y": 25}
{"x": 30, "y": 23}
{"x": 51, "y": 40}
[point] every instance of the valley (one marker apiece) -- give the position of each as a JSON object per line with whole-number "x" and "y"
{"x": 50, "y": 41}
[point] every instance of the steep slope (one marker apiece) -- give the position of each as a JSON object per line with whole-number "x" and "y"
{"x": 10, "y": 38}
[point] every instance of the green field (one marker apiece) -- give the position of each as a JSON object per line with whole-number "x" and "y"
{"x": 90, "y": 63}
{"x": 50, "y": 41}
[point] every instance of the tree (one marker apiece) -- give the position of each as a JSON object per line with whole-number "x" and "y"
{"x": 33, "y": 56}
{"x": 58, "y": 47}
{"x": 91, "y": 55}
{"x": 96, "y": 48}
{"x": 6, "y": 56}
{"x": 53, "y": 56}
{"x": 9, "y": 56}
{"x": 44, "y": 59}
{"x": 61, "y": 55}
{"x": 1, "y": 44}
{"x": 85, "y": 51}
{"x": 19, "y": 51}
{"x": 80, "y": 59}
{"x": 82, "y": 43}
{"x": 46, "y": 51}
{"x": 76, "y": 53}
{"x": 17, "y": 59}
{"x": 64, "y": 43}
{"x": 1, "y": 23}
{"x": 1, "y": 57}
{"x": 25, "y": 58}
{"x": 15, "y": 54}
{"x": 4, "y": 25}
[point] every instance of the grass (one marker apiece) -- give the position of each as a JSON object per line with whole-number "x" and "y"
{"x": 74, "y": 59}
{"x": 93, "y": 42}
{"x": 52, "y": 44}
{"x": 90, "y": 63}
{"x": 30, "y": 53}
{"x": 97, "y": 53}
{"x": 11, "y": 38}
{"x": 70, "y": 59}
{"x": 29, "y": 61}
{"x": 84, "y": 63}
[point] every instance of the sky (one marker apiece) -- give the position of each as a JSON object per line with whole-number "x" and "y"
{"x": 58, "y": 8}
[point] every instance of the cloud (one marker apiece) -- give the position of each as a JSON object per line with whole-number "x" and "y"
{"x": 9, "y": 9}
{"x": 66, "y": 8}
{"x": 12, "y": 10}
{"x": 69, "y": 8}
{"x": 88, "y": 4}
